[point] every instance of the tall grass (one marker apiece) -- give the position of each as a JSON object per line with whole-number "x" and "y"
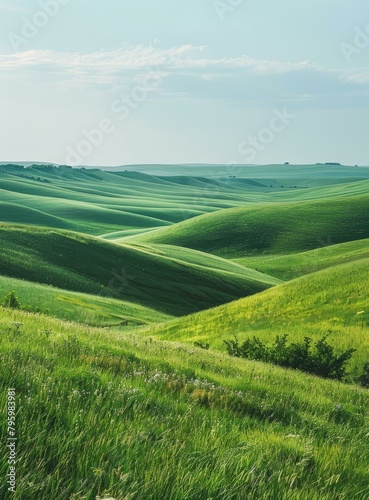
{"x": 105, "y": 413}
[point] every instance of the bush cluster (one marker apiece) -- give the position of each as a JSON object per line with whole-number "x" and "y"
{"x": 319, "y": 358}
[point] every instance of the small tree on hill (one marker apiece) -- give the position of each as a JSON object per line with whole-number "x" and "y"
{"x": 11, "y": 300}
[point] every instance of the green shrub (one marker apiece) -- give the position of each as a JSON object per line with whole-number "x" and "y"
{"x": 322, "y": 360}
{"x": 11, "y": 301}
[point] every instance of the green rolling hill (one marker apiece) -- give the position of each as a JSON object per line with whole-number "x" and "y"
{"x": 101, "y": 202}
{"x": 270, "y": 228}
{"x": 291, "y": 266}
{"x": 119, "y": 273}
{"x": 97, "y": 202}
{"x": 137, "y": 274}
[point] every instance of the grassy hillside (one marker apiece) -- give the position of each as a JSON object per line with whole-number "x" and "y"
{"x": 105, "y": 414}
{"x": 203, "y": 260}
{"x": 82, "y": 263}
{"x": 331, "y": 302}
{"x": 290, "y": 266}
{"x": 270, "y": 228}
{"x": 79, "y": 307}
{"x": 113, "y": 400}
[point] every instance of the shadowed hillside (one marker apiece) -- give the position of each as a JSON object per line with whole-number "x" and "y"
{"x": 86, "y": 264}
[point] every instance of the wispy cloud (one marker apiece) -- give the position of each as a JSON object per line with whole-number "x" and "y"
{"x": 136, "y": 57}
{"x": 192, "y": 71}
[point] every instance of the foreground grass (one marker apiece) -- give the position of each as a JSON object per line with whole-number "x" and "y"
{"x": 119, "y": 415}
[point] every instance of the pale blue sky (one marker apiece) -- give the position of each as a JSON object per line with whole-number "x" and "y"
{"x": 184, "y": 81}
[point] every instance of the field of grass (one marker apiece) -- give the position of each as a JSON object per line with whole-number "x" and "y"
{"x": 82, "y": 263}
{"x": 120, "y": 274}
{"x": 109, "y": 414}
{"x": 270, "y": 228}
{"x": 79, "y": 307}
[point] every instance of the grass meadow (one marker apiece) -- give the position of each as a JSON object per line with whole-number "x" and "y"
{"x": 110, "y": 414}
{"x": 119, "y": 277}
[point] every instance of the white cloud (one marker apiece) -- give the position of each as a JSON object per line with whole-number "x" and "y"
{"x": 138, "y": 57}
{"x": 190, "y": 71}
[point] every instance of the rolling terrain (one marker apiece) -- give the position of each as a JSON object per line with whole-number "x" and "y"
{"x": 122, "y": 275}
{"x": 97, "y": 202}
{"x": 128, "y": 202}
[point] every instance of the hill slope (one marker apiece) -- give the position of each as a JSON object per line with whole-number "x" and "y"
{"x": 330, "y": 302}
{"x": 291, "y": 266}
{"x": 98, "y": 202}
{"x": 86, "y": 264}
{"x": 270, "y": 228}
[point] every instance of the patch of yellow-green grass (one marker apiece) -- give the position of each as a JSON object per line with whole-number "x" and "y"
{"x": 332, "y": 302}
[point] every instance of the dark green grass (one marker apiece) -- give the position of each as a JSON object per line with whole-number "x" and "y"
{"x": 270, "y": 228}
{"x": 111, "y": 415}
{"x": 86, "y": 264}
